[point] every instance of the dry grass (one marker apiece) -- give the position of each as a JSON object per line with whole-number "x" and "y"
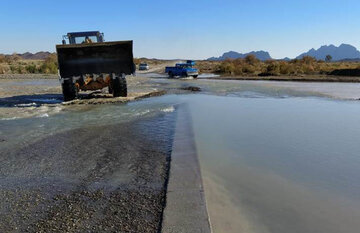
{"x": 137, "y": 61}
{"x": 13, "y": 64}
{"x": 247, "y": 68}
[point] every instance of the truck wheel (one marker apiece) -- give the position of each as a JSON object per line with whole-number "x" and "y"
{"x": 195, "y": 76}
{"x": 171, "y": 75}
{"x": 119, "y": 87}
{"x": 69, "y": 90}
{"x": 184, "y": 74}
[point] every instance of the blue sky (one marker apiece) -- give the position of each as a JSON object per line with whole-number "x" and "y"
{"x": 184, "y": 29}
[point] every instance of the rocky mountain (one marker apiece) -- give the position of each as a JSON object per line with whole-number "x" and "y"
{"x": 29, "y": 56}
{"x": 261, "y": 55}
{"x": 343, "y": 52}
{"x": 35, "y": 56}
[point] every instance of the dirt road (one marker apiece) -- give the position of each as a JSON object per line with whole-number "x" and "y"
{"x": 158, "y": 68}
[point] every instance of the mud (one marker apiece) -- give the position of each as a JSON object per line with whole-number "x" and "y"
{"x": 191, "y": 88}
{"x": 94, "y": 179}
{"x": 100, "y": 98}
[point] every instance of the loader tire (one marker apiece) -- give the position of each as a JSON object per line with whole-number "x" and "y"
{"x": 119, "y": 87}
{"x": 69, "y": 90}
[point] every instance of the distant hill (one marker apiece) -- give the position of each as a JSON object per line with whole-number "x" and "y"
{"x": 343, "y": 52}
{"x": 261, "y": 55}
{"x": 30, "y": 56}
{"x": 285, "y": 59}
{"x": 35, "y": 56}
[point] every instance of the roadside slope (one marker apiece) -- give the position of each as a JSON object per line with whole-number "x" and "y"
{"x": 185, "y": 209}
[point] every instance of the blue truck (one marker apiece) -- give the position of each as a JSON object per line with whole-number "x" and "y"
{"x": 183, "y": 70}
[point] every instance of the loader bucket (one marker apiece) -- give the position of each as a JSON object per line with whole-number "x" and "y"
{"x": 95, "y": 58}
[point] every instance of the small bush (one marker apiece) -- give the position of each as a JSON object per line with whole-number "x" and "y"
{"x": 16, "y": 69}
{"x": 308, "y": 60}
{"x": 12, "y": 58}
{"x": 2, "y": 59}
{"x": 286, "y": 68}
{"x": 13, "y": 69}
{"x": 31, "y": 69}
{"x": 251, "y": 59}
{"x": 248, "y": 69}
{"x": 227, "y": 67}
{"x": 50, "y": 65}
{"x": 273, "y": 68}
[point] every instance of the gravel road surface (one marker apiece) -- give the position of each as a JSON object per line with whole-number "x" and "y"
{"x": 94, "y": 179}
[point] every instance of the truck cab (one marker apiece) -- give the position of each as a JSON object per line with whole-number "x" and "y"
{"x": 183, "y": 70}
{"x": 83, "y": 37}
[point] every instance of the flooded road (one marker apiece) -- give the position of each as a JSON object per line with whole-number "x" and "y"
{"x": 279, "y": 165}
{"x": 85, "y": 170}
{"x": 279, "y": 156}
{"x": 275, "y": 156}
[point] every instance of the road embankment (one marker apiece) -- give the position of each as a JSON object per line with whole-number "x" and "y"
{"x": 185, "y": 209}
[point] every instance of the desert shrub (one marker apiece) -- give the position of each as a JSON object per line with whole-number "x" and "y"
{"x": 273, "y": 68}
{"x": 251, "y": 59}
{"x": 2, "y": 59}
{"x": 294, "y": 61}
{"x": 137, "y": 61}
{"x": 308, "y": 60}
{"x": 31, "y": 68}
{"x": 12, "y": 58}
{"x": 227, "y": 67}
{"x": 16, "y": 69}
{"x": 286, "y": 68}
{"x": 248, "y": 69}
{"x": 307, "y": 69}
{"x": 13, "y": 69}
{"x": 2, "y": 70}
{"x": 306, "y": 65}
{"x": 50, "y": 65}
{"x": 238, "y": 70}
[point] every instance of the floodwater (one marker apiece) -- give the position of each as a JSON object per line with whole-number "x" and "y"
{"x": 279, "y": 164}
{"x": 275, "y": 157}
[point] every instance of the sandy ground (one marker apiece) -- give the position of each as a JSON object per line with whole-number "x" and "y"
{"x": 61, "y": 184}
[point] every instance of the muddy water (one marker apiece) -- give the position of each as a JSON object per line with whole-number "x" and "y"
{"x": 279, "y": 164}
{"x": 50, "y": 120}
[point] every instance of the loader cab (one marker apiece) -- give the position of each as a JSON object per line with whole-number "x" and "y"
{"x": 83, "y": 37}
